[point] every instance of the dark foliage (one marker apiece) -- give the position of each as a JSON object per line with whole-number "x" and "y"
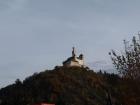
{"x": 72, "y": 86}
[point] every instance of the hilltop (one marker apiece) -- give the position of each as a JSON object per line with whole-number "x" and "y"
{"x": 72, "y": 86}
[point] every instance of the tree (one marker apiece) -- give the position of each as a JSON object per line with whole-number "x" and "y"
{"x": 128, "y": 63}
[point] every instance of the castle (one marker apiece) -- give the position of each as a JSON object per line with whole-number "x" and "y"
{"x": 74, "y": 60}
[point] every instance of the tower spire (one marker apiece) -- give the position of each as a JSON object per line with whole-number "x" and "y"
{"x": 73, "y": 52}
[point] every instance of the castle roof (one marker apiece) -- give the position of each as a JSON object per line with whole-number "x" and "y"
{"x": 70, "y": 59}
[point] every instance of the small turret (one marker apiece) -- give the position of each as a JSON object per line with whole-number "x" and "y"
{"x": 81, "y": 57}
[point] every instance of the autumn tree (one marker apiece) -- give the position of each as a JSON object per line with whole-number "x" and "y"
{"x": 128, "y": 63}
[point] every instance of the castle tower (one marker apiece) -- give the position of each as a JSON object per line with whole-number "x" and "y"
{"x": 74, "y": 60}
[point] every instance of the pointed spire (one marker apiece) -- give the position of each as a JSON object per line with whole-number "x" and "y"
{"x": 73, "y": 52}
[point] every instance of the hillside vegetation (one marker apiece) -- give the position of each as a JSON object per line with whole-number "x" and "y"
{"x": 72, "y": 86}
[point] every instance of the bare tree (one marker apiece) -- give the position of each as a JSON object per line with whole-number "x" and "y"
{"x": 128, "y": 63}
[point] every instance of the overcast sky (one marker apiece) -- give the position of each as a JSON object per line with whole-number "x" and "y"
{"x": 38, "y": 34}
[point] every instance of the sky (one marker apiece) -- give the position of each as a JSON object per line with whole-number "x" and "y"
{"x": 36, "y": 35}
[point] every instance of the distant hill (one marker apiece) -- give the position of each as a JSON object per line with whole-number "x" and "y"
{"x": 102, "y": 65}
{"x": 72, "y": 86}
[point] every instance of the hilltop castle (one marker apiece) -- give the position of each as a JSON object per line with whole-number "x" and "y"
{"x": 74, "y": 60}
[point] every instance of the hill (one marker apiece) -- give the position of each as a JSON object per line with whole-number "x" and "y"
{"x": 72, "y": 86}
